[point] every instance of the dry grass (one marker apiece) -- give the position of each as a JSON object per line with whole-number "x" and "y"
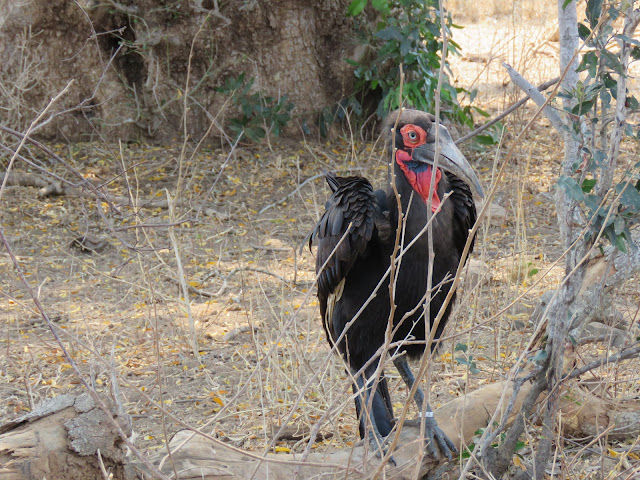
{"x": 125, "y": 319}
{"x": 18, "y": 76}
{"x": 120, "y": 301}
{"x": 516, "y": 11}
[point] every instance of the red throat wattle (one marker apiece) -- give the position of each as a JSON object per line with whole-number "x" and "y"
{"x": 420, "y": 181}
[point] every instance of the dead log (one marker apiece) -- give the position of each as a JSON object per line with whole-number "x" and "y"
{"x": 56, "y": 188}
{"x": 66, "y": 437}
{"x": 585, "y": 416}
{"x": 61, "y": 440}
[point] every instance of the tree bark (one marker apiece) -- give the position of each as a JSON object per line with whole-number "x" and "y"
{"x": 64, "y": 438}
{"x": 137, "y": 64}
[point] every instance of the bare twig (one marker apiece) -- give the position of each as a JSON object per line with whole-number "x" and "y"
{"x": 182, "y": 279}
{"x": 625, "y": 354}
{"x": 29, "y": 130}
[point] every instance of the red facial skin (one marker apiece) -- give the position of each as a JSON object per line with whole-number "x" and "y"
{"x": 413, "y": 136}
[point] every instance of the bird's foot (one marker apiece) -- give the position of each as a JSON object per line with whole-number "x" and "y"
{"x": 435, "y": 436}
{"x": 380, "y": 447}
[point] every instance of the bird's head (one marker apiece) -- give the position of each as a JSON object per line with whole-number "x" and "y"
{"x": 413, "y": 134}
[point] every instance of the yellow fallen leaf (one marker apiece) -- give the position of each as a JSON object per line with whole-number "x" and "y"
{"x": 518, "y": 463}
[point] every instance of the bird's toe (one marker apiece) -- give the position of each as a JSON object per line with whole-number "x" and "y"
{"x": 378, "y": 445}
{"x": 436, "y": 437}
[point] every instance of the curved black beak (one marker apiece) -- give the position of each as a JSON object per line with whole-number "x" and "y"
{"x": 451, "y": 158}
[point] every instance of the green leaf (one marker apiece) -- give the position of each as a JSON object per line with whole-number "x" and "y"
{"x": 627, "y": 39}
{"x": 609, "y": 81}
{"x": 605, "y": 97}
{"x": 619, "y": 243}
{"x": 356, "y": 7}
{"x": 381, "y": 5}
{"x": 630, "y": 197}
{"x": 254, "y": 133}
{"x": 482, "y": 112}
{"x": 616, "y": 240}
{"x": 588, "y": 184}
{"x": 583, "y": 107}
{"x": 618, "y": 225}
{"x": 593, "y": 203}
{"x": 468, "y": 449}
{"x": 593, "y": 10}
{"x": 583, "y": 31}
{"x": 571, "y": 187}
{"x": 612, "y": 60}
{"x": 390, "y": 33}
{"x": 589, "y": 60}
{"x": 461, "y": 361}
{"x": 540, "y": 356}
{"x": 461, "y": 347}
{"x": 485, "y": 139}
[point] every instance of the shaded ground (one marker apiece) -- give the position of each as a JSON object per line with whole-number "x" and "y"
{"x": 125, "y": 321}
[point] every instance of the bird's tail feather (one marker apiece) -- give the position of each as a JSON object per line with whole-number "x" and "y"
{"x": 381, "y": 408}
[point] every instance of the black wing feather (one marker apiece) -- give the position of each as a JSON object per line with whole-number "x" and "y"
{"x": 465, "y": 212}
{"x": 353, "y": 204}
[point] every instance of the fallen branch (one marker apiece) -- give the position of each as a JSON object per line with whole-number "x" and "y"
{"x": 48, "y": 188}
{"x": 65, "y": 438}
{"x": 584, "y": 415}
{"x": 227, "y": 337}
{"x": 533, "y": 93}
{"x": 541, "y": 88}
{"x": 16, "y": 179}
{"x": 71, "y": 430}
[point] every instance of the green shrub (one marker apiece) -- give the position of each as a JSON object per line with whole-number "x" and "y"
{"x": 259, "y": 114}
{"x": 405, "y": 32}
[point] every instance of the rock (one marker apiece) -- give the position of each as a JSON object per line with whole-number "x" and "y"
{"x": 477, "y": 273}
{"x": 496, "y": 214}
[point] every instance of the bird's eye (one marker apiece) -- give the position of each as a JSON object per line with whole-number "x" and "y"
{"x": 413, "y": 135}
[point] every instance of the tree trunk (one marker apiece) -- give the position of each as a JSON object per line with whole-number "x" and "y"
{"x": 137, "y": 66}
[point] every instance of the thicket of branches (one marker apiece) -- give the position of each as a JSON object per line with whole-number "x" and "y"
{"x": 597, "y": 203}
{"x": 598, "y": 207}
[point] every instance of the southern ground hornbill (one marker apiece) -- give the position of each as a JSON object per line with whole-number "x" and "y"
{"x": 356, "y": 237}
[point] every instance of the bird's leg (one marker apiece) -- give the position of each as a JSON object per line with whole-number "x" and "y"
{"x": 435, "y": 436}
{"x": 376, "y": 440}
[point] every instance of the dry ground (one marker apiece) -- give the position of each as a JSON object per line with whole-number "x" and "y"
{"x": 125, "y": 320}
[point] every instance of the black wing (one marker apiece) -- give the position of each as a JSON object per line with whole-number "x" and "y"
{"x": 465, "y": 212}
{"x": 353, "y": 207}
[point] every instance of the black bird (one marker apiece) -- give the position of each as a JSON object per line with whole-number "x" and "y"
{"x": 356, "y": 237}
